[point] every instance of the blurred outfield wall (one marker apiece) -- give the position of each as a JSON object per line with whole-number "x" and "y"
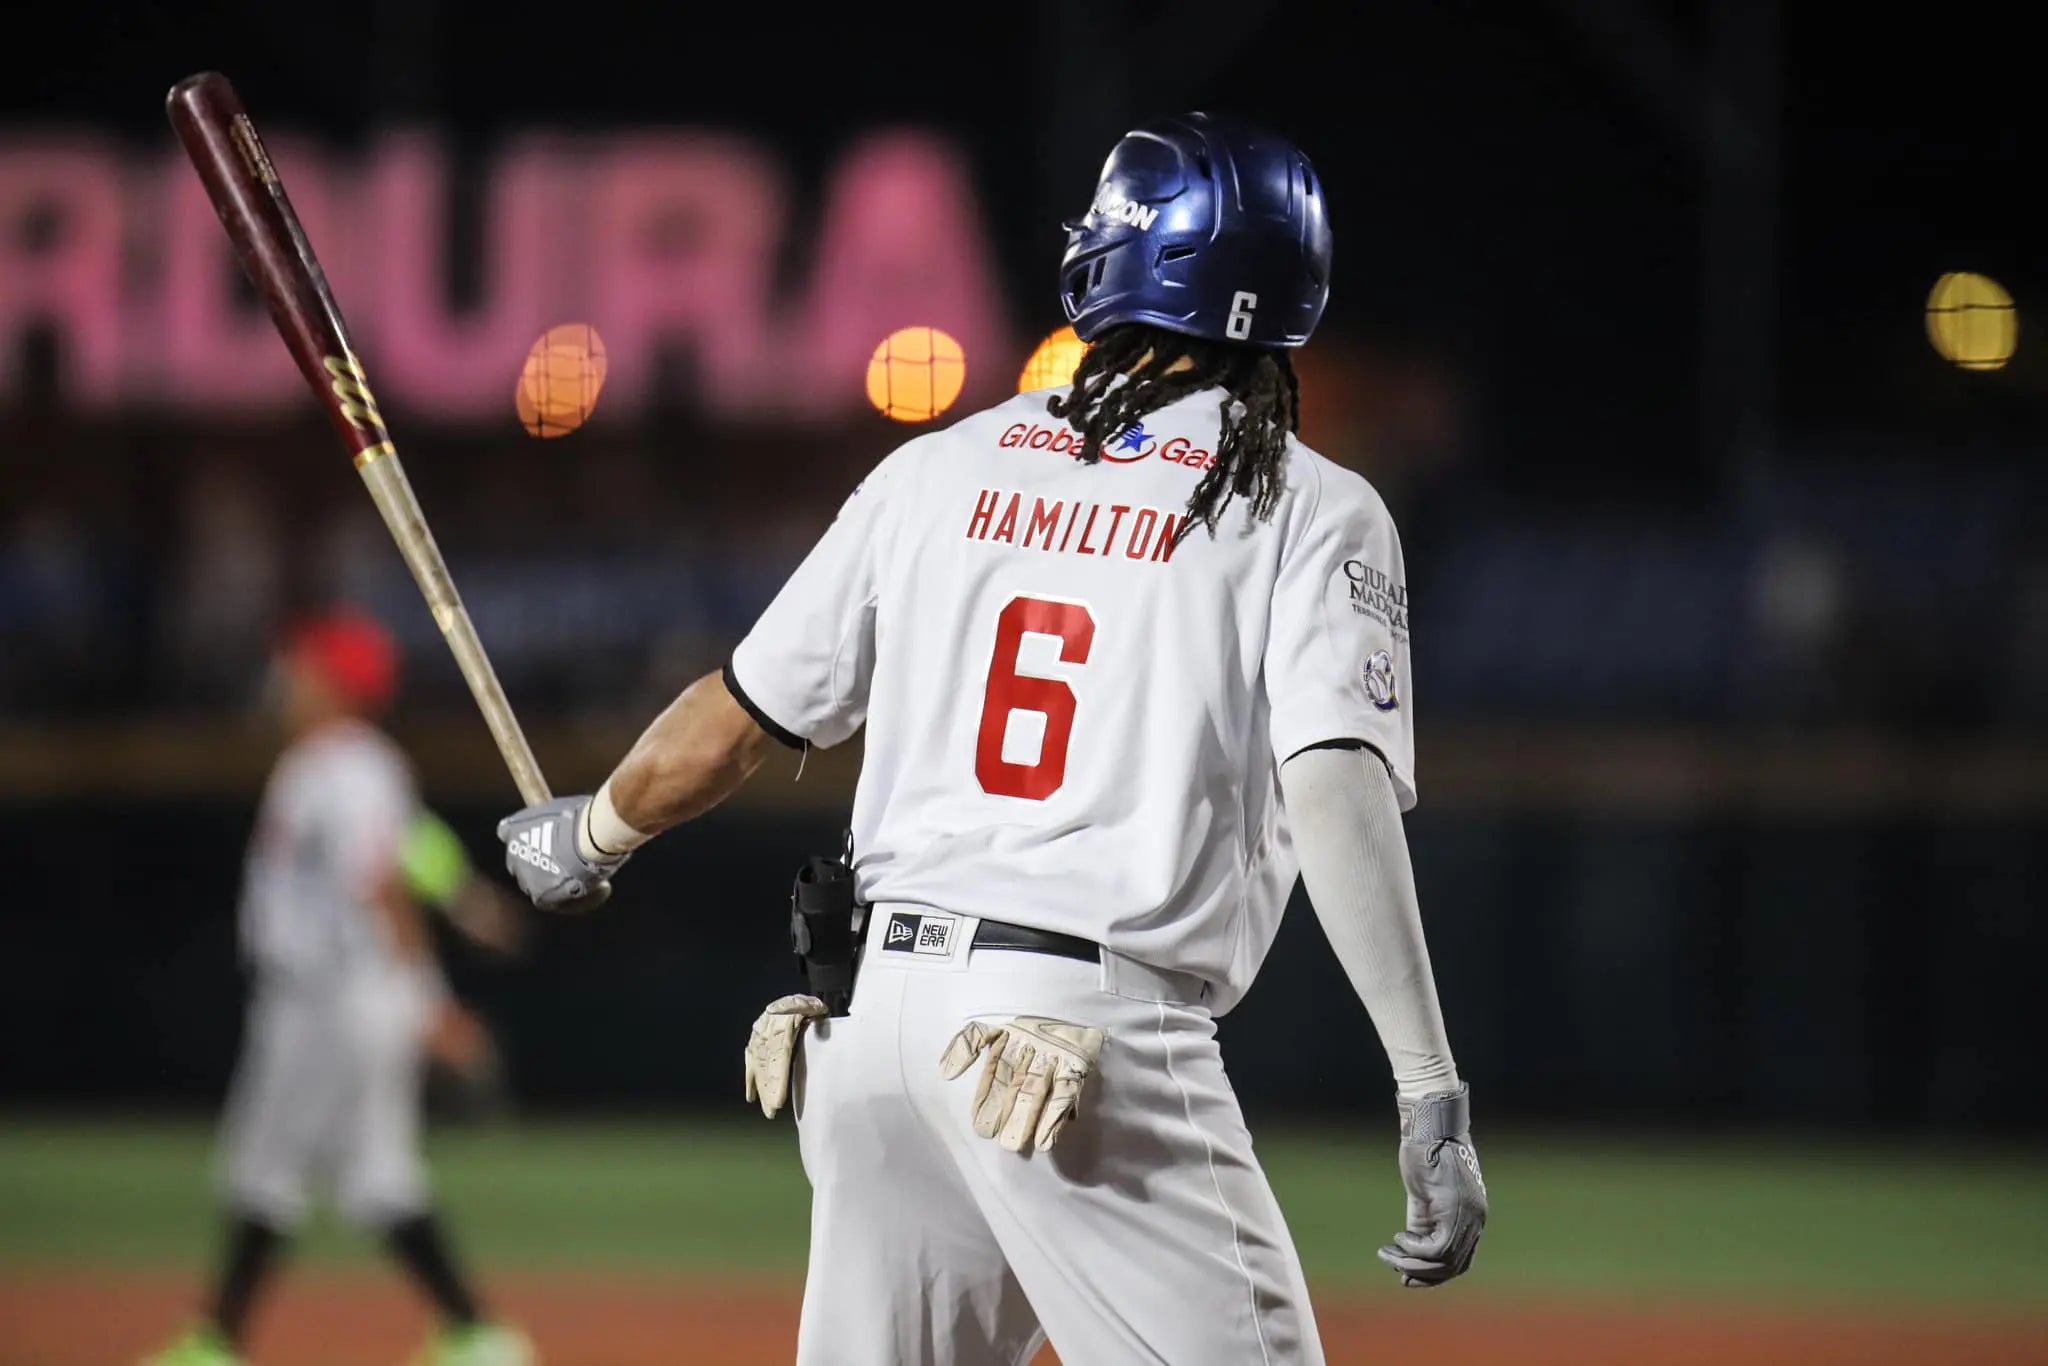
{"x": 1701, "y": 963}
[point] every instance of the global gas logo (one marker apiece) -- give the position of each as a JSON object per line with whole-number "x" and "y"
{"x": 1180, "y": 451}
{"x": 1131, "y": 444}
{"x": 1126, "y": 449}
{"x": 1031, "y": 436}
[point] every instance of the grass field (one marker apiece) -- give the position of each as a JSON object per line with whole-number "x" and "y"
{"x": 1768, "y": 1228}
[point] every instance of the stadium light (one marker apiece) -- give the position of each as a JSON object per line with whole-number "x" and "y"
{"x": 1971, "y": 321}
{"x": 1052, "y": 365}
{"x": 916, "y": 374}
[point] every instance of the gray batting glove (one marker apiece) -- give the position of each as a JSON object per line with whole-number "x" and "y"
{"x": 1446, "y": 1194}
{"x": 542, "y": 855}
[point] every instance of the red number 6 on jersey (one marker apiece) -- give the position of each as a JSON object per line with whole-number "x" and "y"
{"x": 1010, "y": 691}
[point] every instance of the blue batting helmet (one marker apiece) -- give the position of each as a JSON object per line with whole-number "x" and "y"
{"x": 1204, "y": 226}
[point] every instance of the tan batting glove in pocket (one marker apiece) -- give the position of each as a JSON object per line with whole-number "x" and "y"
{"x": 1031, "y": 1082}
{"x": 771, "y": 1049}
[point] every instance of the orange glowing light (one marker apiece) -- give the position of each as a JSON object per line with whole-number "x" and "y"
{"x": 1053, "y": 364}
{"x": 916, "y": 374}
{"x": 559, "y": 384}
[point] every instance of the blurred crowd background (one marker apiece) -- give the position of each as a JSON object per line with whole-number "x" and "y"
{"x": 1727, "y": 555}
{"x": 1637, "y": 354}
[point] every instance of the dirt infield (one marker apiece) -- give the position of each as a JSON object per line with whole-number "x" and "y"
{"x": 108, "y": 1319}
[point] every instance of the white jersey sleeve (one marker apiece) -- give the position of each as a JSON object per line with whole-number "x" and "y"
{"x": 804, "y": 671}
{"x": 1336, "y": 659}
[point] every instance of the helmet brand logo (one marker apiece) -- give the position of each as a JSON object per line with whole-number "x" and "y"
{"x": 1112, "y": 205}
{"x": 1203, "y": 226}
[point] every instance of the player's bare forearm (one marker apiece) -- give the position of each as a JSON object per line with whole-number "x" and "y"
{"x": 696, "y": 754}
{"x": 563, "y": 852}
{"x": 488, "y": 917}
{"x": 403, "y": 922}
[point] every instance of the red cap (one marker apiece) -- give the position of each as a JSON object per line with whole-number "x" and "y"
{"x": 353, "y": 652}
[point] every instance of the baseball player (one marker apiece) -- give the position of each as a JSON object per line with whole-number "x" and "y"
{"x": 347, "y": 1002}
{"x": 1129, "y": 655}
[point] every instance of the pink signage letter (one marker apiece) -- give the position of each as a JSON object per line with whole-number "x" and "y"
{"x": 682, "y": 241}
{"x": 902, "y": 246}
{"x": 219, "y": 349}
{"x": 60, "y": 261}
{"x": 462, "y": 365}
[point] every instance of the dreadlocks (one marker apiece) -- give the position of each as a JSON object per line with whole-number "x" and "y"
{"x": 1130, "y": 371}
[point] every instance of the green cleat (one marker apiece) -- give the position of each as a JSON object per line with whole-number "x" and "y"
{"x": 478, "y": 1344}
{"x": 198, "y": 1347}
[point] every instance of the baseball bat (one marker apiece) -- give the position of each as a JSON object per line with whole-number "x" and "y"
{"x": 273, "y": 250}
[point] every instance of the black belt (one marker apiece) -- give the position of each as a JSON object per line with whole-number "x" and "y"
{"x": 1001, "y": 934}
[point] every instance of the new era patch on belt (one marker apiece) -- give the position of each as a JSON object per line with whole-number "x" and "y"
{"x": 931, "y": 935}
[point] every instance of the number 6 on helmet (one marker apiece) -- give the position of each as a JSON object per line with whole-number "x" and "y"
{"x": 1201, "y": 226}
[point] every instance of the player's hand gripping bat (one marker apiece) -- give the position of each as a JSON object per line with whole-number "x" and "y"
{"x": 273, "y": 249}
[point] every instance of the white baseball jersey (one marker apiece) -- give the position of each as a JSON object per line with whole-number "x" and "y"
{"x": 327, "y": 836}
{"x": 1072, "y": 722}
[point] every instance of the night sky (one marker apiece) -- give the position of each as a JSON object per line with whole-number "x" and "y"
{"x": 1509, "y": 192}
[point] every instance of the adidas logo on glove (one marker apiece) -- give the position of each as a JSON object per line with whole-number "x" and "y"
{"x": 535, "y": 846}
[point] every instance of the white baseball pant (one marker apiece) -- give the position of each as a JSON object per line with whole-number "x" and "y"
{"x": 1148, "y": 1233}
{"x": 327, "y": 1091}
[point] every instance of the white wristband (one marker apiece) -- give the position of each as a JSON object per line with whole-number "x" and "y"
{"x": 601, "y": 836}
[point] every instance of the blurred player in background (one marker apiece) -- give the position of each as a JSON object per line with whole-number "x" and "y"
{"x": 1129, "y": 655}
{"x": 348, "y": 1006}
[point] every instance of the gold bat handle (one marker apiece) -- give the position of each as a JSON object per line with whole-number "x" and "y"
{"x": 392, "y": 492}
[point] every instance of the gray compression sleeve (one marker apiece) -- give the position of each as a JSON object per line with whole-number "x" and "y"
{"x": 1347, "y": 831}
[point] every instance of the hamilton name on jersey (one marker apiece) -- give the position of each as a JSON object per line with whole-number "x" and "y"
{"x": 1073, "y": 526}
